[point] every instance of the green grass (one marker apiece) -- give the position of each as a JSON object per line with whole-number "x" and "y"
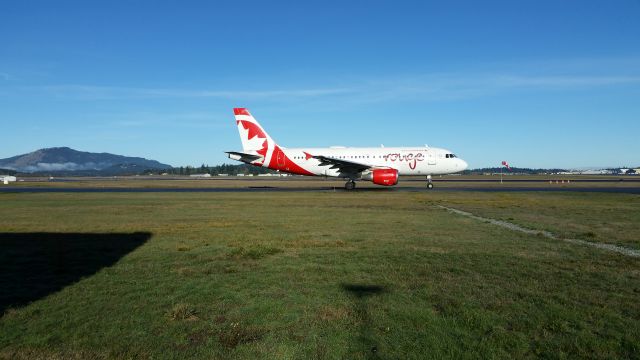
{"x": 325, "y": 275}
{"x": 596, "y": 217}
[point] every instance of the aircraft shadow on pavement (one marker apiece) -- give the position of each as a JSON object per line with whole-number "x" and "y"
{"x": 366, "y": 189}
{"x": 365, "y": 346}
{"x": 34, "y": 265}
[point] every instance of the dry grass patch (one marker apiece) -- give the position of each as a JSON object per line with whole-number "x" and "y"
{"x": 182, "y": 311}
{"x": 334, "y": 313}
{"x": 253, "y": 252}
{"x": 183, "y": 247}
{"x": 235, "y": 333}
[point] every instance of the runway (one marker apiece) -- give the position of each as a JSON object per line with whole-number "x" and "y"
{"x": 266, "y": 189}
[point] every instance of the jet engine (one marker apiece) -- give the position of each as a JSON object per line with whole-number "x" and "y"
{"x": 386, "y": 177}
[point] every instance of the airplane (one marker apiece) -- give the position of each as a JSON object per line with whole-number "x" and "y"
{"x": 382, "y": 165}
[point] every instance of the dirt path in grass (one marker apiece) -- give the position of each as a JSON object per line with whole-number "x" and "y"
{"x": 514, "y": 227}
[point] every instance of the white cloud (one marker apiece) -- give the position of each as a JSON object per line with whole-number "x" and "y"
{"x": 565, "y": 81}
{"x": 572, "y": 74}
{"x": 91, "y": 92}
{"x": 68, "y": 166}
{"x": 147, "y": 119}
{"x": 446, "y": 87}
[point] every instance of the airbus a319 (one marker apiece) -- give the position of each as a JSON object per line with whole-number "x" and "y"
{"x": 380, "y": 165}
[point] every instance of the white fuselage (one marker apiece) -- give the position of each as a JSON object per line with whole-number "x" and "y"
{"x": 407, "y": 160}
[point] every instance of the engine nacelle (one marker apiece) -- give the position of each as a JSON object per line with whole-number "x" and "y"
{"x": 386, "y": 177}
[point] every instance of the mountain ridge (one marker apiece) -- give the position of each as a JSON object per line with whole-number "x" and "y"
{"x": 65, "y": 159}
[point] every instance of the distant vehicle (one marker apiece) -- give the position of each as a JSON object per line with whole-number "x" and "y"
{"x": 382, "y": 166}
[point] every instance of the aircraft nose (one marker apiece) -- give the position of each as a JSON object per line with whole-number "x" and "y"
{"x": 463, "y": 164}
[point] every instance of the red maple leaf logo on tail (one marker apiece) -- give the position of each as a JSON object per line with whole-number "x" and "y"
{"x": 254, "y": 130}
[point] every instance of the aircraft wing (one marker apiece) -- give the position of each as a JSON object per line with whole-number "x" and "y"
{"x": 343, "y": 166}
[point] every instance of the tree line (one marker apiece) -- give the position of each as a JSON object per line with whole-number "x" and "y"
{"x": 7, "y": 172}
{"x": 515, "y": 170}
{"x": 229, "y": 169}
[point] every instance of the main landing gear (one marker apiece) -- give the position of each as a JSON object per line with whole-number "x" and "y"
{"x": 429, "y": 183}
{"x": 350, "y": 185}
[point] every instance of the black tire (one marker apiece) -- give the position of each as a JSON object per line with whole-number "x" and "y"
{"x": 429, "y": 186}
{"x": 350, "y": 185}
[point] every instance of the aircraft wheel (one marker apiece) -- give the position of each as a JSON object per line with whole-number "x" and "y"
{"x": 350, "y": 185}
{"x": 430, "y": 185}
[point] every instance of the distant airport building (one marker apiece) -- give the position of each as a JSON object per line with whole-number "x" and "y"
{"x": 6, "y": 179}
{"x": 595, "y": 172}
{"x": 200, "y": 175}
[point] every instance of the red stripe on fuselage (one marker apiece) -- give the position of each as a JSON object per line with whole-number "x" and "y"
{"x": 280, "y": 161}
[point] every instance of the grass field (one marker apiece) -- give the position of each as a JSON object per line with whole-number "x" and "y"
{"x": 316, "y": 275}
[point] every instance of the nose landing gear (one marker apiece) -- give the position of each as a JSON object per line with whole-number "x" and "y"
{"x": 429, "y": 182}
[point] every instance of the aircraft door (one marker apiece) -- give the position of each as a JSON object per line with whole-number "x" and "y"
{"x": 281, "y": 159}
{"x": 431, "y": 157}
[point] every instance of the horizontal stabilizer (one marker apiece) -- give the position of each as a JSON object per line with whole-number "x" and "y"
{"x": 244, "y": 157}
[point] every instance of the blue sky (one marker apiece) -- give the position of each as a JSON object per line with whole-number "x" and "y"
{"x": 537, "y": 83}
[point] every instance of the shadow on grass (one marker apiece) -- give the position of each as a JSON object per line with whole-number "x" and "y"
{"x": 34, "y": 265}
{"x": 366, "y": 346}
